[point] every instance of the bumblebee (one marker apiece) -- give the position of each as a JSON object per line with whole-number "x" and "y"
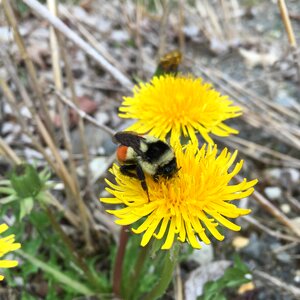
{"x": 139, "y": 155}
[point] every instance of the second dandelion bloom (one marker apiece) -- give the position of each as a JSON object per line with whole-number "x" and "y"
{"x": 7, "y": 244}
{"x": 179, "y": 106}
{"x": 195, "y": 201}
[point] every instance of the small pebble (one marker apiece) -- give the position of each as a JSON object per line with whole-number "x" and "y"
{"x": 294, "y": 174}
{"x": 246, "y": 287}
{"x": 285, "y": 208}
{"x": 297, "y": 276}
{"x": 273, "y": 173}
{"x": 284, "y": 257}
{"x": 240, "y": 242}
{"x": 273, "y": 192}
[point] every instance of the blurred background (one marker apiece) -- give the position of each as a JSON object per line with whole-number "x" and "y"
{"x": 60, "y": 89}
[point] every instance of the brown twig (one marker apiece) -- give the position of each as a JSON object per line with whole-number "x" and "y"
{"x": 290, "y": 32}
{"x": 293, "y": 201}
{"x": 163, "y": 27}
{"x": 276, "y": 234}
{"x": 278, "y": 283}
{"x": 12, "y": 101}
{"x": 58, "y": 165}
{"x": 28, "y": 63}
{"x": 43, "y": 12}
{"x": 9, "y": 152}
{"x": 55, "y": 51}
{"x": 236, "y": 89}
{"x": 287, "y": 23}
{"x": 267, "y": 205}
{"x": 181, "y": 36}
{"x": 178, "y": 285}
{"x": 258, "y": 152}
{"x": 84, "y": 115}
{"x": 71, "y": 85}
{"x": 259, "y": 112}
{"x": 90, "y": 38}
{"x": 139, "y": 38}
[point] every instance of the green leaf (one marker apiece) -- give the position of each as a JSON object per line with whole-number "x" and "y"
{"x": 57, "y": 274}
{"x": 233, "y": 277}
{"x": 25, "y": 180}
{"x": 26, "y": 206}
{"x": 8, "y": 199}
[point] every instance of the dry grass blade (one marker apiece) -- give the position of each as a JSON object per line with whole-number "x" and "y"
{"x": 278, "y": 283}
{"x": 287, "y": 23}
{"x": 43, "y": 12}
{"x": 276, "y": 234}
{"x": 83, "y": 114}
{"x": 268, "y": 206}
{"x": 163, "y": 27}
{"x": 55, "y": 47}
{"x": 91, "y": 39}
{"x": 259, "y": 112}
{"x": 261, "y": 153}
{"x": 9, "y": 152}
{"x": 29, "y": 65}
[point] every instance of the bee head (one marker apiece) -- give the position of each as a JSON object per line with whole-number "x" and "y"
{"x": 169, "y": 169}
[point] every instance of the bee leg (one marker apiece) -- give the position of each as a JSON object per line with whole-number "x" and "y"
{"x": 141, "y": 176}
{"x": 129, "y": 170}
{"x": 155, "y": 178}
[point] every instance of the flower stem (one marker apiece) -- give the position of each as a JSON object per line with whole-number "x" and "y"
{"x": 169, "y": 264}
{"x": 119, "y": 261}
{"x": 133, "y": 280}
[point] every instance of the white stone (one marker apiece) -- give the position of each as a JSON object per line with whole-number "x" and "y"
{"x": 273, "y": 192}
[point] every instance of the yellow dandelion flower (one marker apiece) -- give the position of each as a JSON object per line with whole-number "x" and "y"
{"x": 179, "y": 105}
{"x": 7, "y": 244}
{"x": 194, "y": 201}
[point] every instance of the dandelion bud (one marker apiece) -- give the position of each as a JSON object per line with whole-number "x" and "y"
{"x": 25, "y": 181}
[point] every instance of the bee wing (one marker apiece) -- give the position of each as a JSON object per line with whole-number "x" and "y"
{"x": 130, "y": 139}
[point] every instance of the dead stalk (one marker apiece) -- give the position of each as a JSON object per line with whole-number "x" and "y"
{"x": 178, "y": 284}
{"x": 257, "y": 152}
{"x": 91, "y": 39}
{"x": 58, "y": 165}
{"x": 259, "y": 112}
{"x": 13, "y": 103}
{"x": 43, "y": 12}
{"x": 138, "y": 38}
{"x": 287, "y": 23}
{"x": 84, "y": 115}
{"x": 181, "y": 36}
{"x": 276, "y": 234}
{"x": 12, "y": 21}
{"x": 290, "y": 32}
{"x": 55, "y": 51}
{"x": 163, "y": 27}
{"x": 268, "y": 206}
{"x": 10, "y": 153}
{"x": 278, "y": 283}
{"x": 70, "y": 81}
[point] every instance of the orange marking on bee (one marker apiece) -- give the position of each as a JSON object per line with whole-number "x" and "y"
{"x": 122, "y": 153}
